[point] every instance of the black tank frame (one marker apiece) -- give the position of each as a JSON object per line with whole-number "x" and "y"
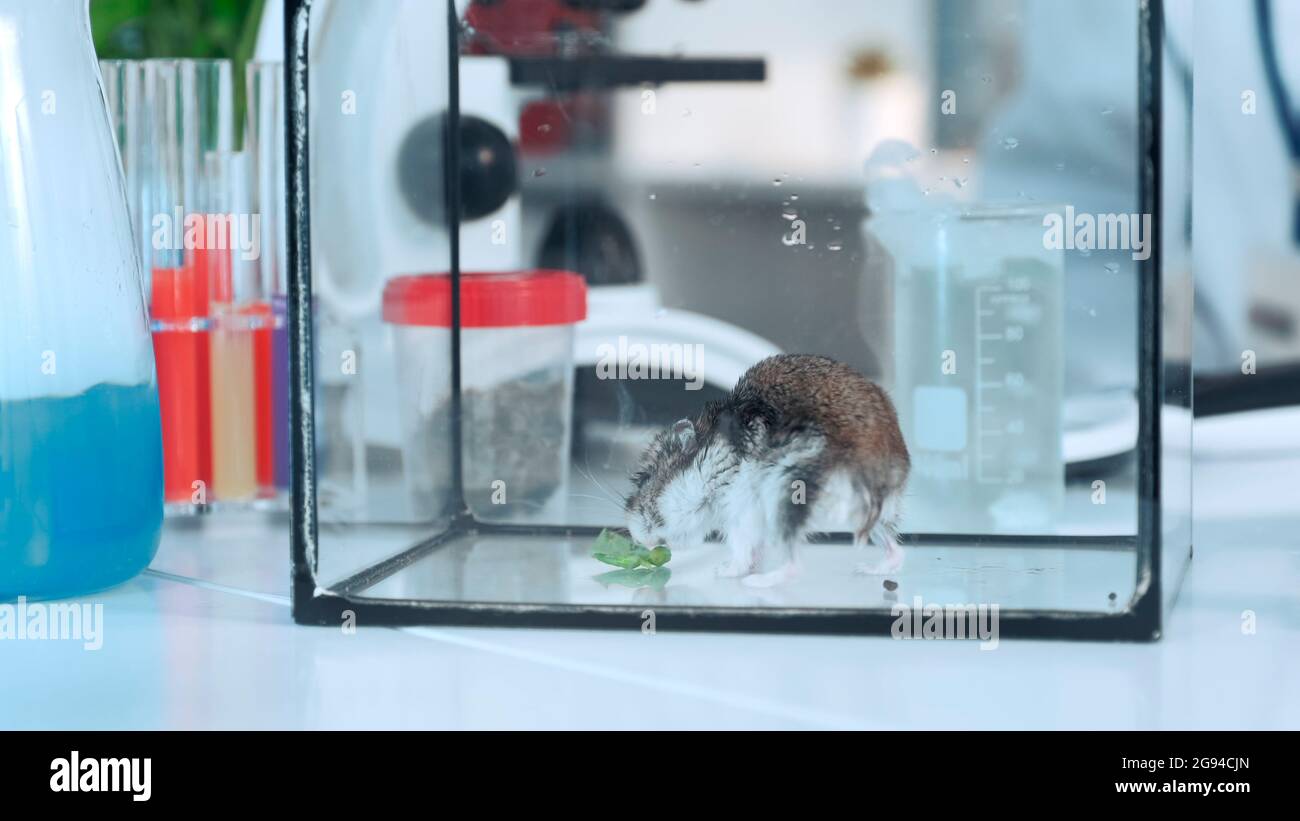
{"x": 1160, "y": 383}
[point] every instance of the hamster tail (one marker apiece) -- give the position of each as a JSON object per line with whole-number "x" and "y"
{"x": 879, "y": 527}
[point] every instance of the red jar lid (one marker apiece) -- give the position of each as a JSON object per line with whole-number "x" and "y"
{"x": 495, "y": 300}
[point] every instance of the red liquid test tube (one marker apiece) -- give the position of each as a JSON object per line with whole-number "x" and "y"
{"x": 263, "y": 319}
{"x": 179, "y": 297}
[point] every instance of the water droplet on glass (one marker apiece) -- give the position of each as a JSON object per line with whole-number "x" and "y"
{"x": 926, "y": 192}
{"x": 1112, "y": 267}
{"x": 934, "y": 151}
{"x": 660, "y": 313}
{"x": 1092, "y": 312}
{"x": 1085, "y": 252}
{"x": 1010, "y": 143}
{"x": 965, "y": 160}
{"x": 539, "y": 172}
{"x": 652, "y": 196}
{"x": 835, "y": 245}
{"x": 789, "y": 215}
{"x": 544, "y": 128}
{"x": 686, "y": 112}
{"x": 986, "y": 79}
{"x": 960, "y": 182}
{"x": 794, "y": 197}
{"x": 777, "y": 182}
{"x": 1107, "y": 111}
{"x": 1060, "y": 166}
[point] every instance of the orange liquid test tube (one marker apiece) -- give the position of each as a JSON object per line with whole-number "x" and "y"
{"x": 233, "y": 389}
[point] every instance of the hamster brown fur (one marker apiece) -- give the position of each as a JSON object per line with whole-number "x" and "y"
{"x": 802, "y": 441}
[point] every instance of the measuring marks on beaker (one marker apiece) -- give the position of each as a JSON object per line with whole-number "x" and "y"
{"x": 1003, "y": 380}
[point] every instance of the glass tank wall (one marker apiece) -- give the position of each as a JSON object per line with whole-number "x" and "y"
{"x": 545, "y": 239}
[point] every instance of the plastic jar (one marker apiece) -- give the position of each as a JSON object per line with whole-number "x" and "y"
{"x": 517, "y": 332}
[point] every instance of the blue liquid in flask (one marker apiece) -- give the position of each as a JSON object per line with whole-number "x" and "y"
{"x": 81, "y": 490}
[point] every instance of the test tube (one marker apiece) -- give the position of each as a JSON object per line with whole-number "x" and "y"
{"x": 266, "y": 147}
{"x": 130, "y": 113}
{"x": 176, "y": 303}
{"x": 231, "y": 250}
{"x": 191, "y": 106}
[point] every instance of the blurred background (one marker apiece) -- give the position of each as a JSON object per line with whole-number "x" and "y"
{"x": 138, "y": 29}
{"x": 896, "y": 57}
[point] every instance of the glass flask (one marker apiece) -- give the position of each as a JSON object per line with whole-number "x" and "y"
{"x": 80, "y": 444}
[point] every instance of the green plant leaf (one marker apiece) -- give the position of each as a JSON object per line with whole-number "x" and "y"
{"x": 620, "y": 551}
{"x": 654, "y": 578}
{"x": 624, "y": 560}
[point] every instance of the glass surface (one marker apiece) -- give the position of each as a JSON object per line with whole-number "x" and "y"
{"x": 265, "y": 145}
{"x": 978, "y": 382}
{"x": 80, "y": 449}
{"x": 1176, "y": 277}
{"x": 944, "y": 197}
{"x": 126, "y": 89}
{"x": 378, "y": 76}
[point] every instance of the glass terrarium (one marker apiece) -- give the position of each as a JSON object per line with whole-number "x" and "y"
{"x": 536, "y": 246}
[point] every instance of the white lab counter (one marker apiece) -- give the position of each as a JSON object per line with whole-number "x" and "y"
{"x": 204, "y": 640}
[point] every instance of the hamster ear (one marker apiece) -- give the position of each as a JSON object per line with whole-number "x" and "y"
{"x": 684, "y": 430}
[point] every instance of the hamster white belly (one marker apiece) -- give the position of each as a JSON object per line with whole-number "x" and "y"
{"x": 752, "y": 518}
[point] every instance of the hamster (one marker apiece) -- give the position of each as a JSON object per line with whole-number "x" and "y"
{"x": 803, "y": 443}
